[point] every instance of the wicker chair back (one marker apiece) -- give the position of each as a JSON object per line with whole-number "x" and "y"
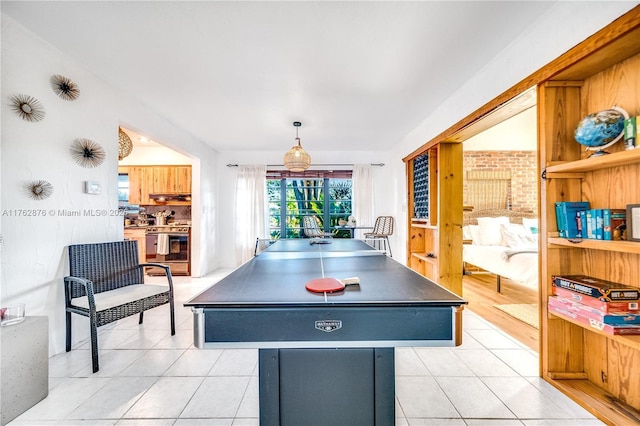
{"x": 108, "y": 265}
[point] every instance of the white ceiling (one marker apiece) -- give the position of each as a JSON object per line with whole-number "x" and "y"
{"x": 358, "y": 75}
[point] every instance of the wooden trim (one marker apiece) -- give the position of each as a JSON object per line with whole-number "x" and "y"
{"x": 629, "y": 22}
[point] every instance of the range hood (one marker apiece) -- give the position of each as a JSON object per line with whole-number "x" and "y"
{"x": 169, "y": 197}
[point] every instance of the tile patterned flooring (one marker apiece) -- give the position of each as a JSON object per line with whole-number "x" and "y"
{"x": 148, "y": 378}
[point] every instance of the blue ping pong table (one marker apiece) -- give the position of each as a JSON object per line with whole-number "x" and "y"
{"x": 325, "y": 358}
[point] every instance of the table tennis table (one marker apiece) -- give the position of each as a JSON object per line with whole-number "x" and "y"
{"x": 325, "y": 358}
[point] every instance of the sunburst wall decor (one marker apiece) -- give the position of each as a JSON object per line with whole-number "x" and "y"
{"x": 39, "y": 189}
{"x": 87, "y": 153}
{"x": 27, "y": 107}
{"x": 65, "y": 88}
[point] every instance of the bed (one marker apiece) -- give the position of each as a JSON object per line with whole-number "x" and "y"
{"x": 502, "y": 242}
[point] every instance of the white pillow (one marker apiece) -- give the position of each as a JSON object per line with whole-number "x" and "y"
{"x": 466, "y": 232}
{"x": 530, "y": 225}
{"x": 472, "y": 233}
{"x": 514, "y": 235}
{"x": 490, "y": 234}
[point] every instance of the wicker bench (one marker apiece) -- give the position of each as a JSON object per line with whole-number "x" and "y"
{"x": 106, "y": 283}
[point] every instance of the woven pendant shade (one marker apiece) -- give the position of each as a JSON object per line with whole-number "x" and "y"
{"x": 297, "y": 159}
{"x": 125, "y": 146}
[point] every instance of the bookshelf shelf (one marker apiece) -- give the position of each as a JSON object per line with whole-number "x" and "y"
{"x": 425, "y": 258}
{"x": 424, "y": 226}
{"x": 565, "y": 170}
{"x": 630, "y": 341}
{"x": 612, "y": 246}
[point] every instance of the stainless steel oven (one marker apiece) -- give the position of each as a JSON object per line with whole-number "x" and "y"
{"x": 170, "y": 245}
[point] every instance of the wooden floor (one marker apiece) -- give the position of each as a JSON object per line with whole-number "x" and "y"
{"x": 480, "y": 291}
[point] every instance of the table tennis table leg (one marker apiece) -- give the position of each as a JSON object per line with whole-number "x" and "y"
{"x": 327, "y": 386}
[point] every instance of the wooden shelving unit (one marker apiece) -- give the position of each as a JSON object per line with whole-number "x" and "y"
{"x": 434, "y": 246}
{"x": 598, "y": 370}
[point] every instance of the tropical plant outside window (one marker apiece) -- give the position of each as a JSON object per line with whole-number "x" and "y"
{"x": 290, "y": 199}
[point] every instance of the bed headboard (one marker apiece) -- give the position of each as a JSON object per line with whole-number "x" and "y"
{"x": 471, "y": 217}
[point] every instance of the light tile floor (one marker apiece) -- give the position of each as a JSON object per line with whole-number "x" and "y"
{"x": 149, "y": 378}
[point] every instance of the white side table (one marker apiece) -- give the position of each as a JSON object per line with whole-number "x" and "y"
{"x": 24, "y": 366}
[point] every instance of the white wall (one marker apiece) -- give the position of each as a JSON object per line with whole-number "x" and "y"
{"x": 518, "y": 133}
{"x": 35, "y": 233}
{"x": 154, "y": 156}
{"x": 382, "y": 176}
{"x": 562, "y": 27}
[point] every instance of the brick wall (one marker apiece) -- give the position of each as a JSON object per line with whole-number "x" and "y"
{"x": 523, "y": 192}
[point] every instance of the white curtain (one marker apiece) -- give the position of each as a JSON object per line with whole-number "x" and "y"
{"x": 362, "y": 198}
{"x": 250, "y": 209}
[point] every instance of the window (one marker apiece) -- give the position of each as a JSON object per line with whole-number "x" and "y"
{"x": 290, "y": 198}
{"x": 123, "y": 188}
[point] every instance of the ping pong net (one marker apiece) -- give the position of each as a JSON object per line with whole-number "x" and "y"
{"x": 307, "y": 249}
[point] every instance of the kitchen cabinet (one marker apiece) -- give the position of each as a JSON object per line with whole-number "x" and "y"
{"x": 172, "y": 179}
{"x": 137, "y": 234}
{"x": 434, "y": 246}
{"x": 598, "y": 370}
{"x": 145, "y": 180}
{"x": 140, "y": 184}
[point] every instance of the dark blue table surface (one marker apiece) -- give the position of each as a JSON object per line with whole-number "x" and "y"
{"x": 277, "y": 278}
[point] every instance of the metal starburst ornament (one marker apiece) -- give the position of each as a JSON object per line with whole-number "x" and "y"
{"x": 87, "y": 153}
{"x": 27, "y": 107}
{"x": 39, "y": 189}
{"x": 65, "y": 88}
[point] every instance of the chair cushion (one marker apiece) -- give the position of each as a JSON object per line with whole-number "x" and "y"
{"x": 120, "y": 296}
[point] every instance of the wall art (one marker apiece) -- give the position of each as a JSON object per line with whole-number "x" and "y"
{"x": 87, "y": 153}
{"x": 27, "y": 107}
{"x": 65, "y": 88}
{"x": 39, "y": 189}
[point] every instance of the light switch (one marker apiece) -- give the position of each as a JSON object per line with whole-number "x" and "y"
{"x": 92, "y": 187}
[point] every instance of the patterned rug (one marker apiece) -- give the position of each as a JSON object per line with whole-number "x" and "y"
{"x": 527, "y": 313}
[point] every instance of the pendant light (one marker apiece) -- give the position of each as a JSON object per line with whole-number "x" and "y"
{"x": 297, "y": 159}
{"x": 125, "y": 146}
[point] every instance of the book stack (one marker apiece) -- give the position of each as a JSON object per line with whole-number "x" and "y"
{"x": 606, "y": 306}
{"x": 575, "y": 219}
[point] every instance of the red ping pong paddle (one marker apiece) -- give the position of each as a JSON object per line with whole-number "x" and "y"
{"x": 330, "y": 285}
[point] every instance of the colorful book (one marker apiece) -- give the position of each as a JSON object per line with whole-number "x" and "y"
{"x": 612, "y": 222}
{"x": 605, "y": 307}
{"x": 567, "y": 214}
{"x": 594, "y": 287}
{"x": 630, "y": 132}
{"x": 560, "y": 221}
{"x": 591, "y": 224}
{"x": 599, "y": 231}
{"x": 582, "y": 218}
{"x": 610, "y": 318}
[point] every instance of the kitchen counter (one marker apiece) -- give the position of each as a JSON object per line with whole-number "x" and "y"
{"x": 137, "y": 233}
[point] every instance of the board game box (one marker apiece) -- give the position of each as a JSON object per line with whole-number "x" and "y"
{"x": 591, "y": 323}
{"x": 604, "y": 290}
{"x": 611, "y": 318}
{"x": 606, "y": 307}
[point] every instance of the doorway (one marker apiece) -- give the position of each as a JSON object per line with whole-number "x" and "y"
{"x": 501, "y": 185}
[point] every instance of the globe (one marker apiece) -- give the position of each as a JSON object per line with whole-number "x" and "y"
{"x": 601, "y": 128}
